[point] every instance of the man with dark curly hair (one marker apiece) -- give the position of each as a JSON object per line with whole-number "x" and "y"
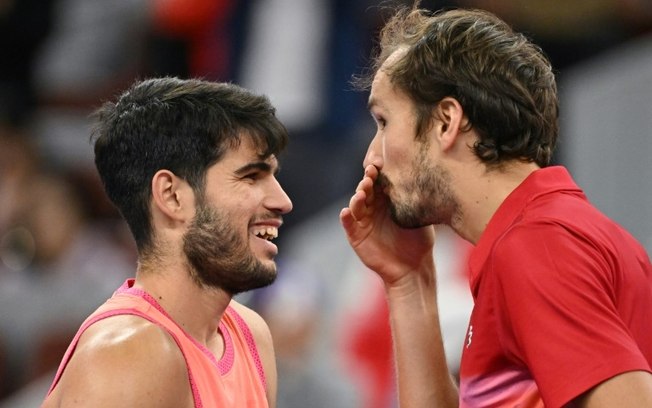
{"x": 191, "y": 165}
{"x": 467, "y": 121}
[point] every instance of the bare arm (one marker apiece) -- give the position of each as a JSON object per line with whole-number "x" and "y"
{"x": 423, "y": 376}
{"x": 264, "y": 343}
{"x": 403, "y": 259}
{"x": 632, "y": 389}
{"x": 124, "y": 361}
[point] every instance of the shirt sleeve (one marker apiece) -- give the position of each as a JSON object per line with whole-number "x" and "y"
{"x": 558, "y": 310}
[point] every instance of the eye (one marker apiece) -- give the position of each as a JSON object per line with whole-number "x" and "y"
{"x": 255, "y": 175}
{"x": 380, "y": 121}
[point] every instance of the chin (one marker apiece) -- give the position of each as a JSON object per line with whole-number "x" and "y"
{"x": 270, "y": 265}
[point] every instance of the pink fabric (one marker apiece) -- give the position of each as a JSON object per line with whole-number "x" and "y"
{"x": 117, "y": 312}
{"x": 237, "y": 379}
{"x": 253, "y": 349}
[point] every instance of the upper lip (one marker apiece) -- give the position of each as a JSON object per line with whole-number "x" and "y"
{"x": 276, "y": 223}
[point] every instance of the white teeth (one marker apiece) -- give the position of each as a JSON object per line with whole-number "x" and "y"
{"x": 267, "y": 233}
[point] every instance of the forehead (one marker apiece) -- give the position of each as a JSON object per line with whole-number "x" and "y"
{"x": 380, "y": 88}
{"x": 385, "y": 97}
{"x": 383, "y": 90}
{"x": 244, "y": 153}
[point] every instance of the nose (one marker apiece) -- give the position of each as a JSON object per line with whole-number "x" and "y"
{"x": 374, "y": 154}
{"x": 279, "y": 201}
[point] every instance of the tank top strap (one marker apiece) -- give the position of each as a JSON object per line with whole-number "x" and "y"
{"x": 113, "y": 308}
{"x": 234, "y": 319}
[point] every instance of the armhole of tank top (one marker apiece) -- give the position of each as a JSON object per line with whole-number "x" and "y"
{"x": 73, "y": 345}
{"x": 249, "y": 338}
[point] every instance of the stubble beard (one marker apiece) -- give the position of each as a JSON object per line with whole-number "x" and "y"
{"x": 426, "y": 198}
{"x": 219, "y": 257}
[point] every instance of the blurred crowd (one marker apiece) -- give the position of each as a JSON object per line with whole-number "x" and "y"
{"x": 64, "y": 249}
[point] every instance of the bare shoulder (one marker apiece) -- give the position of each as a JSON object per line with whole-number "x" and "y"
{"x": 124, "y": 361}
{"x": 256, "y": 323}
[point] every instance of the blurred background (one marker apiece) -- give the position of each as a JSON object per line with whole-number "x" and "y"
{"x": 64, "y": 249}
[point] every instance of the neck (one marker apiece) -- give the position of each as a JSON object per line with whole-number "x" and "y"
{"x": 482, "y": 192}
{"x": 198, "y": 310}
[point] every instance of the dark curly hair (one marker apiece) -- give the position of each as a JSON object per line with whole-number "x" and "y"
{"x": 184, "y": 126}
{"x": 504, "y": 82}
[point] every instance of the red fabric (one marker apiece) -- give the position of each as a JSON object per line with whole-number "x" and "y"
{"x": 369, "y": 348}
{"x": 189, "y": 18}
{"x": 204, "y": 25}
{"x": 373, "y": 347}
{"x": 562, "y": 299}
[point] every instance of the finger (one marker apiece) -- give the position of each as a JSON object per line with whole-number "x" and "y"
{"x": 371, "y": 171}
{"x": 347, "y": 221}
{"x": 367, "y": 186}
{"x": 361, "y": 185}
{"x": 358, "y": 205}
{"x": 352, "y": 228}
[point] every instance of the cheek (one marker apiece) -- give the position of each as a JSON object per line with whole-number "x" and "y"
{"x": 397, "y": 155}
{"x": 235, "y": 201}
{"x": 236, "y": 213}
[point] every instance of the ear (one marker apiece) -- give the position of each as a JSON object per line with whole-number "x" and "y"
{"x": 172, "y": 196}
{"x": 449, "y": 122}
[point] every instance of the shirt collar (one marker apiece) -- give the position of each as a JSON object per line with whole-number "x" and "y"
{"x": 539, "y": 183}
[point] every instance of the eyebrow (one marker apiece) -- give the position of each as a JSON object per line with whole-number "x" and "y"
{"x": 261, "y": 166}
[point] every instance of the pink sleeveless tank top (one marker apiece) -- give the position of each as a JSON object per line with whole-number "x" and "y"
{"x": 235, "y": 380}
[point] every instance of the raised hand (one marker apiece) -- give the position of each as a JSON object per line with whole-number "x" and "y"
{"x": 383, "y": 246}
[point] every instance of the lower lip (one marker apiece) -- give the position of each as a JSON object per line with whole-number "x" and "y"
{"x": 270, "y": 246}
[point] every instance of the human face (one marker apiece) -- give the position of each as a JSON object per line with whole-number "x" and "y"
{"x": 418, "y": 190}
{"x": 228, "y": 243}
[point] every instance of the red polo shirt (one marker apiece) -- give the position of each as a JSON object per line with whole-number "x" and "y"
{"x": 562, "y": 297}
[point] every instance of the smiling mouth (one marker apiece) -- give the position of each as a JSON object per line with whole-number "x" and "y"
{"x": 267, "y": 233}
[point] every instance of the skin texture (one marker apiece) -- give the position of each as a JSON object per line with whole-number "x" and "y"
{"x": 402, "y": 257}
{"x": 389, "y": 225}
{"x": 128, "y": 361}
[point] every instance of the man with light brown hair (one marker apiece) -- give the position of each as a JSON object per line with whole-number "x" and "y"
{"x": 466, "y": 112}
